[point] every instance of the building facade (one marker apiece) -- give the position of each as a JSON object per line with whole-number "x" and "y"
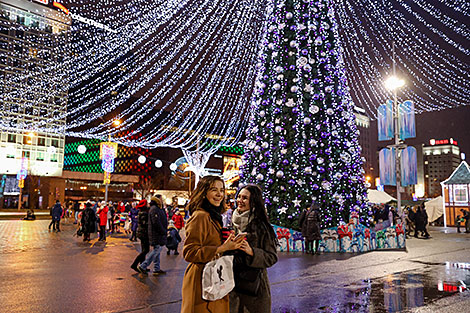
{"x": 440, "y": 159}
{"x": 33, "y": 89}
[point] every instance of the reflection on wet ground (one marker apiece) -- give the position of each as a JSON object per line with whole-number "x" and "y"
{"x": 393, "y": 293}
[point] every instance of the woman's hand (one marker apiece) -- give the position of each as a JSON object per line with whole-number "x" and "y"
{"x": 230, "y": 244}
{"x": 246, "y": 248}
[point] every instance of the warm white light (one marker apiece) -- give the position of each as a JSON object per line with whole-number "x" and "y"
{"x": 394, "y": 82}
{"x": 51, "y": 149}
{"x": 81, "y": 149}
{"x": 116, "y": 123}
{"x": 142, "y": 159}
{"x": 173, "y": 167}
{"x": 158, "y": 163}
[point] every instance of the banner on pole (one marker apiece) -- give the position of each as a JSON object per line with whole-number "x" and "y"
{"x": 407, "y": 120}
{"x": 108, "y": 152}
{"x": 409, "y": 167}
{"x": 387, "y": 167}
{"x": 385, "y": 121}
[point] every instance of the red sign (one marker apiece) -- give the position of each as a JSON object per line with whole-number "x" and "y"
{"x": 434, "y": 142}
{"x": 46, "y": 2}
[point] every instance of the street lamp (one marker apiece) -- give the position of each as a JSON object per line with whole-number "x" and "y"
{"x": 393, "y": 83}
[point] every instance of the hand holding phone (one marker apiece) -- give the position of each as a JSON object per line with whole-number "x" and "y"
{"x": 240, "y": 236}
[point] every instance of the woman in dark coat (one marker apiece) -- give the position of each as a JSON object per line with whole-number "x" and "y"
{"x": 259, "y": 252}
{"x": 309, "y": 221}
{"x": 134, "y": 213}
{"x": 142, "y": 233}
{"x": 88, "y": 221}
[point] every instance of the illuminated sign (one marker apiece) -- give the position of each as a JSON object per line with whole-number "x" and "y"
{"x": 23, "y": 172}
{"x": 231, "y": 169}
{"x": 46, "y": 2}
{"x": 60, "y": 7}
{"x": 108, "y": 152}
{"x": 434, "y": 142}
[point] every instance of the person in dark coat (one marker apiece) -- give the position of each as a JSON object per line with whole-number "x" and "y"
{"x": 88, "y": 222}
{"x": 258, "y": 252}
{"x": 309, "y": 221}
{"x": 142, "y": 233}
{"x": 421, "y": 220}
{"x": 56, "y": 213}
{"x": 157, "y": 227}
{"x": 133, "y": 214}
{"x": 173, "y": 238}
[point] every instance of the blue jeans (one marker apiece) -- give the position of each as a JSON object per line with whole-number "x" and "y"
{"x": 153, "y": 256}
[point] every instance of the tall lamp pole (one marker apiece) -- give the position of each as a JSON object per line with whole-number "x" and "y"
{"x": 393, "y": 83}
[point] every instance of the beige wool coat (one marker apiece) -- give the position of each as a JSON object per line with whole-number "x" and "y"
{"x": 203, "y": 236}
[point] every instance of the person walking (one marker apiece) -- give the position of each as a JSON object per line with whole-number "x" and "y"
{"x": 134, "y": 216}
{"x": 421, "y": 219}
{"x": 203, "y": 243}
{"x": 142, "y": 233}
{"x": 157, "y": 229}
{"x": 88, "y": 222}
{"x": 258, "y": 252}
{"x": 103, "y": 219}
{"x": 56, "y": 213}
{"x": 309, "y": 222}
{"x": 76, "y": 210}
{"x": 111, "y": 215}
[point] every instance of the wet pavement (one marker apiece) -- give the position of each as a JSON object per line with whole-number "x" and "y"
{"x": 42, "y": 271}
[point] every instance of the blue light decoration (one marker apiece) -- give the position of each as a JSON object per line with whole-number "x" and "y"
{"x": 407, "y": 120}
{"x": 385, "y": 123}
{"x": 387, "y": 167}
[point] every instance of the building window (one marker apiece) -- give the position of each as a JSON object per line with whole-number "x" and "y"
{"x": 55, "y": 143}
{"x": 54, "y": 157}
{"x": 460, "y": 193}
{"x": 26, "y": 154}
{"x": 40, "y": 156}
{"x": 41, "y": 141}
{"x": 11, "y": 138}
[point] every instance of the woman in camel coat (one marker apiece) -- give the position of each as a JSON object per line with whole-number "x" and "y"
{"x": 203, "y": 242}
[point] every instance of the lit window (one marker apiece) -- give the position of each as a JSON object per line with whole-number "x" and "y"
{"x": 460, "y": 193}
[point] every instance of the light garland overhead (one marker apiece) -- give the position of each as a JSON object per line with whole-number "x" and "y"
{"x": 179, "y": 72}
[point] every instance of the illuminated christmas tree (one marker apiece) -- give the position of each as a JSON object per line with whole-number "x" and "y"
{"x": 302, "y": 141}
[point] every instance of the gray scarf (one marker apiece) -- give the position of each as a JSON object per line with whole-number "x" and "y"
{"x": 240, "y": 220}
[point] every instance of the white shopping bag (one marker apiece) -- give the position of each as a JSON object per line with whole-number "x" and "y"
{"x": 217, "y": 278}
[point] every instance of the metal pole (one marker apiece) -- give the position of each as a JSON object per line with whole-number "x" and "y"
{"x": 19, "y": 200}
{"x": 397, "y": 136}
{"x": 106, "y": 193}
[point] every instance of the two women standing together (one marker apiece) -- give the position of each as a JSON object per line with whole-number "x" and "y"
{"x": 204, "y": 242}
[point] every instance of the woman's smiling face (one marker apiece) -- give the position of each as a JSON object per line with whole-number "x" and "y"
{"x": 216, "y": 193}
{"x": 243, "y": 200}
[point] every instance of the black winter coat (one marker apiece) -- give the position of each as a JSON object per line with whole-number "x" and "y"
{"x": 88, "y": 221}
{"x": 264, "y": 256}
{"x": 173, "y": 239}
{"x": 158, "y": 225}
{"x": 143, "y": 225}
{"x": 309, "y": 222}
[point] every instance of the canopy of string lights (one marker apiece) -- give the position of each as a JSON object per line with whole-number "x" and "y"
{"x": 176, "y": 73}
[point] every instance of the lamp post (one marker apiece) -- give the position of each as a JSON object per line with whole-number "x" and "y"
{"x": 393, "y": 83}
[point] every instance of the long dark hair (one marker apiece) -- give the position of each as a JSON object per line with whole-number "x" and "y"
{"x": 258, "y": 209}
{"x": 200, "y": 193}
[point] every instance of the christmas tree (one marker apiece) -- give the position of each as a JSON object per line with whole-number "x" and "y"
{"x": 302, "y": 141}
